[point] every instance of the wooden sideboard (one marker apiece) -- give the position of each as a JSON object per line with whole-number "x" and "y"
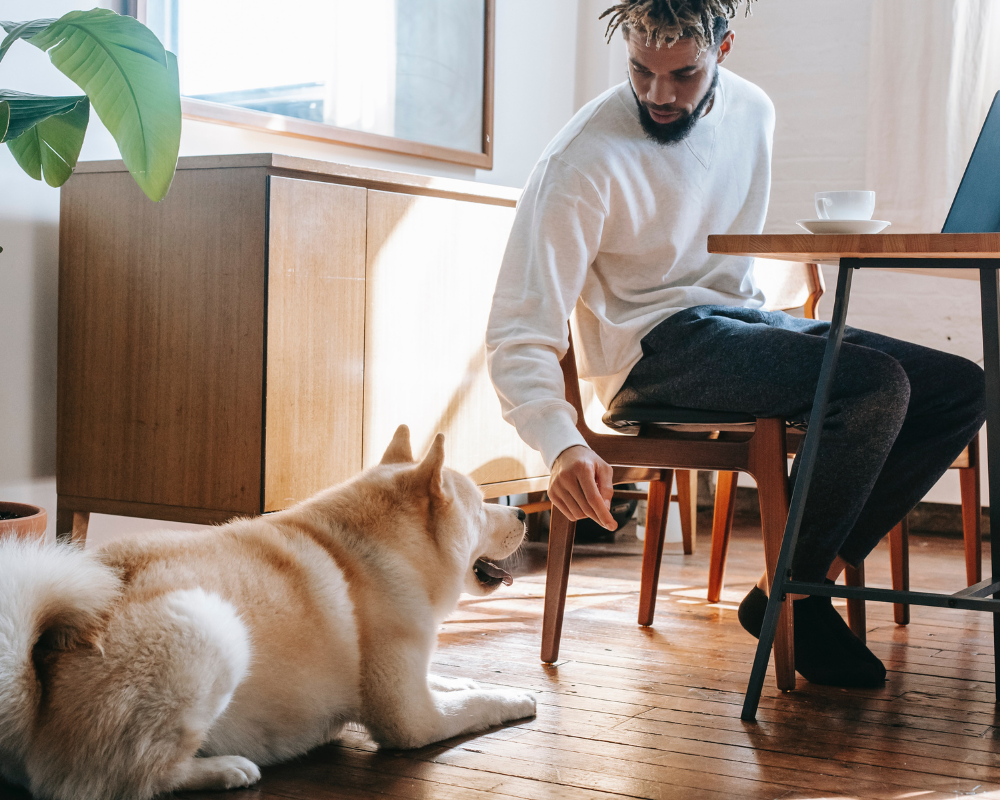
{"x": 259, "y": 334}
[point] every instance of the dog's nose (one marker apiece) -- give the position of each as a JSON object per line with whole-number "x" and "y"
{"x": 521, "y": 515}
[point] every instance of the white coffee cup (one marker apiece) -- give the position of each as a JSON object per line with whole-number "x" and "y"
{"x": 845, "y": 205}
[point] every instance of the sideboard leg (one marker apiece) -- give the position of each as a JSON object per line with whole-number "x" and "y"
{"x": 71, "y": 525}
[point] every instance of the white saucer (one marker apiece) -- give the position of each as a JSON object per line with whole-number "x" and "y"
{"x": 843, "y": 225}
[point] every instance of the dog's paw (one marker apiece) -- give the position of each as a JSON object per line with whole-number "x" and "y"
{"x": 517, "y": 705}
{"x": 239, "y": 772}
{"x": 439, "y": 684}
{"x": 219, "y": 772}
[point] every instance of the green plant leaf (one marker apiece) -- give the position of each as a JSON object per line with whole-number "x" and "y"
{"x": 4, "y": 118}
{"x": 27, "y": 110}
{"x": 21, "y": 30}
{"x": 132, "y": 83}
{"x": 52, "y": 147}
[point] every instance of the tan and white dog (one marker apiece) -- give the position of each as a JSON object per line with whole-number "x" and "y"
{"x": 183, "y": 660}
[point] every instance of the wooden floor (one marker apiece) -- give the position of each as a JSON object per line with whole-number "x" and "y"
{"x": 654, "y": 713}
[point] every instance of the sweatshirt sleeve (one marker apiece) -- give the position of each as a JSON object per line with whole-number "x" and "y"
{"x": 554, "y": 239}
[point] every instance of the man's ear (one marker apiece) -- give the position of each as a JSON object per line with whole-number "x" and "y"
{"x": 430, "y": 471}
{"x": 398, "y": 451}
{"x": 725, "y": 47}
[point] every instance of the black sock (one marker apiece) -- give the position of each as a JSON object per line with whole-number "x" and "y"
{"x": 826, "y": 652}
{"x": 751, "y": 613}
{"x": 847, "y": 638}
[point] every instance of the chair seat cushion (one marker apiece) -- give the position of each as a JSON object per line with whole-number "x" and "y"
{"x": 632, "y": 416}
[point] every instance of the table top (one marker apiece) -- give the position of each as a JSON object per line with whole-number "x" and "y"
{"x": 829, "y": 249}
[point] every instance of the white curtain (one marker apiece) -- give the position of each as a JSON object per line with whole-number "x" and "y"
{"x": 934, "y": 67}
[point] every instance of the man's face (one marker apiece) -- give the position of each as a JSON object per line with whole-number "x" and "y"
{"x": 674, "y": 86}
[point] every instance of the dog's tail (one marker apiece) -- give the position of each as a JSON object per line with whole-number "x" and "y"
{"x": 52, "y": 597}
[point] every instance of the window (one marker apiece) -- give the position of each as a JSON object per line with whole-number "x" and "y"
{"x": 411, "y": 76}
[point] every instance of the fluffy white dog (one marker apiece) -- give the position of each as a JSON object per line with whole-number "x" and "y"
{"x": 175, "y": 661}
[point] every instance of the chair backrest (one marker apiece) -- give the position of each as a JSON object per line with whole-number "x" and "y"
{"x": 787, "y": 285}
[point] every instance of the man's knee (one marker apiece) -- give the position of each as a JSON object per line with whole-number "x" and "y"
{"x": 878, "y": 395}
{"x": 966, "y": 388}
{"x": 892, "y": 395}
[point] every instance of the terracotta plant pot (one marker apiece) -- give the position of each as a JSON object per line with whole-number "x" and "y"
{"x": 22, "y": 520}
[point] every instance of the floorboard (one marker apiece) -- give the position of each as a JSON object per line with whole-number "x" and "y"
{"x": 654, "y": 713}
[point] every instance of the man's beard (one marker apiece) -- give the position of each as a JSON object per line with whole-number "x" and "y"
{"x": 678, "y": 130}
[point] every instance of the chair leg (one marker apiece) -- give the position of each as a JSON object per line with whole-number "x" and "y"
{"x": 856, "y": 617}
{"x": 534, "y": 517}
{"x": 722, "y": 528}
{"x": 972, "y": 516}
{"x": 687, "y": 501}
{"x": 769, "y": 468}
{"x": 899, "y": 558}
{"x": 657, "y": 508}
{"x": 561, "y": 532}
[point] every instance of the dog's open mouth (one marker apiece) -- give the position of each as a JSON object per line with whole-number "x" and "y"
{"x": 489, "y": 574}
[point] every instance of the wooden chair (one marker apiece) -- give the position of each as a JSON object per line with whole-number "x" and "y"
{"x": 664, "y": 439}
{"x": 789, "y": 286}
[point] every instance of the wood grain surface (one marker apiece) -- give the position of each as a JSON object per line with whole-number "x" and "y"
{"x": 161, "y": 340}
{"x": 311, "y": 169}
{"x": 432, "y": 268}
{"x": 809, "y": 247}
{"x": 315, "y": 338}
{"x": 254, "y": 120}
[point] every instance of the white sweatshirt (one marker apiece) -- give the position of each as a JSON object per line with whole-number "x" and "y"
{"x": 614, "y": 226}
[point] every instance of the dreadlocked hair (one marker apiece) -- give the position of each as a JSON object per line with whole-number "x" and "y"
{"x": 668, "y": 21}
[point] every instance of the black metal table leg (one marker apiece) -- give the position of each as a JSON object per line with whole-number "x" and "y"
{"x": 988, "y": 283}
{"x": 800, "y": 492}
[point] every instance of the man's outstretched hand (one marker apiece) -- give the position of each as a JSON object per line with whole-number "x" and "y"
{"x": 580, "y": 486}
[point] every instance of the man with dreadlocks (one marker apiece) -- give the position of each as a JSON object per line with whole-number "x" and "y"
{"x": 613, "y": 224}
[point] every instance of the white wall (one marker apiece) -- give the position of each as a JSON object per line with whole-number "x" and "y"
{"x": 535, "y": 72}
{"x": 29, "y": 218}
{"x": 812, "y": 60}
{"x": 600, "y": 63}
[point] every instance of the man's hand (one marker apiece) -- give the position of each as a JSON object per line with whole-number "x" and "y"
{"x": 580, "y": 486}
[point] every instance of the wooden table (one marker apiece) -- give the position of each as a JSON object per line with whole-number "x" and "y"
{"x": 932, "y": 251}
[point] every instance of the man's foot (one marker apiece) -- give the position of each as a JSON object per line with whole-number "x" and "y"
{"x": 826, "y": 652}
{"x": 751, "y": 613}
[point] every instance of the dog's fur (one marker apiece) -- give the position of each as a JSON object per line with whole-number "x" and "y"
{"x": 176, "y": 661}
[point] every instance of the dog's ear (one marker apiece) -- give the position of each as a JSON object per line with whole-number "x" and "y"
{"x": 430, "y": 471}
{"x": 398, "y": 451}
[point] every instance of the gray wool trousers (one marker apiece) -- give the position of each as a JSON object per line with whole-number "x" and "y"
{"x": 899, "y": 413}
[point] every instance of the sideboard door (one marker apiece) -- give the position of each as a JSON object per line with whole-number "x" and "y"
{"x": 161, "y": 344}
{"x": 315, "y": 338}
{"x": 432, "y": 265}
